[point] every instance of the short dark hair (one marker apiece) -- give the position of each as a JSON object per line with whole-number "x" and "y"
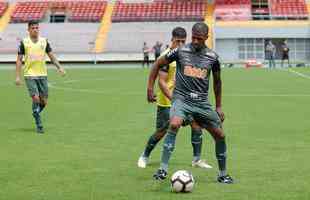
{"x": 32, "y": 22}
{"x": 200, "y": 28}
{"x": 179, "y": 32}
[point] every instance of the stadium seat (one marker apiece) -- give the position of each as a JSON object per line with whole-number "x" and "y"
{"x": 3, "y": 7}
{"x": 87, "y": 11}
{"x": 160, "y": 10}
{"x": 26, "y": 11}
{"x": 78, "y": 11}
{"x": 229, "y": 10}
{"x": 289, "y": 9}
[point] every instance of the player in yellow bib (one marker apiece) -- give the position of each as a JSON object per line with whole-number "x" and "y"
{"x": 33, "y": 50}
{"x": 164, "y": 95}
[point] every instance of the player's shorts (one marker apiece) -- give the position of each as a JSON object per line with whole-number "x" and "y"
{"x": 163, "y": 116}
{"x": 202, "y": 113}
{"x": 37, "y": 86}
{"x": 285, "y": 57}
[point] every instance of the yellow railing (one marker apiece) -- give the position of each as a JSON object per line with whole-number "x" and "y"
{"x": 104, "y": 29}
{"x": 5, "y": 19}
{"x": 209, "y": 19}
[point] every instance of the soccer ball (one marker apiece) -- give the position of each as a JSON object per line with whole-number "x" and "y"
{"x": 182, "y": 181}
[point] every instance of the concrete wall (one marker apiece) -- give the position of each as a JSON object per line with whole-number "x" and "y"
{"x": 262, "y": 32}
{"x": 129, "y": 37}
{"x": 226, "y": 49}
{"x": 64, "y": 37}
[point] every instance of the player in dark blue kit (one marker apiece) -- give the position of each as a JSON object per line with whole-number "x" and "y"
{"x": 195, "y": 62}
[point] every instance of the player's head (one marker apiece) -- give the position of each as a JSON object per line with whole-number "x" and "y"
{"x": 200, "y": 32}
{"x": 33, "y": 28}
{"x": 178, "y": 37}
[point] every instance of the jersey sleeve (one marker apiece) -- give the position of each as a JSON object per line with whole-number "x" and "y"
{"x": 216, "y": 66}
{"x": 21, "y": 49}
{"x": 172, "y": 55}
{"x": 48, "y": 47}
{"x": 164, "y": 69}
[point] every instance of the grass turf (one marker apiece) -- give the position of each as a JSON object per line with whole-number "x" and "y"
{"x": 97, "y": 123}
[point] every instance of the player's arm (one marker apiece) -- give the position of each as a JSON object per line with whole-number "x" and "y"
{"x": 217, "y": 87}
{"x": 162, "y": 82}
{"x": 159, "y": 63}
{"x": 54, "y": 60}
{"x": 19, "y": 63}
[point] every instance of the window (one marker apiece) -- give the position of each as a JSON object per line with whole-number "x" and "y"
{"x": 250, "y": 48}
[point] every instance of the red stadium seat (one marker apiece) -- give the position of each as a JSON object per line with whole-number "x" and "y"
{"x": 289, "y": 9}
{"x": 3, "y": 7}
{"x": 160, "y": 10}
{"x": 84, "y": 11}
{"x": 229, "y": 10}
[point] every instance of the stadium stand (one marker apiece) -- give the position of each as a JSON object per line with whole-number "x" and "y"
{"x": 26, "y": 11}
{"x": 112, "y": 37}
{"x": 229, "y": 10}
{"x": 87, "y": 11}
{"x": 3, "y": 7}
{"x": 77, "y": 11}
{"x": 176, "y": 10}
{"x": 289, "y": 9}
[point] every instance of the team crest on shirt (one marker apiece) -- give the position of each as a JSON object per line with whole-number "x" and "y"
{"x": 195, "y": 72}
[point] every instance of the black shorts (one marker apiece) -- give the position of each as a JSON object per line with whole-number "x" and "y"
{"x": 285, "y": 57}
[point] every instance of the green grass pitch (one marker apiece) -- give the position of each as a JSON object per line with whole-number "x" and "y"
{"x": 97, "y": 123}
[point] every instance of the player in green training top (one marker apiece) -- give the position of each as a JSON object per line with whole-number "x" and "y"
{"x": 166, "y": 84}
{"x": 34, "y": 50}
{"x": 195, "y": 62}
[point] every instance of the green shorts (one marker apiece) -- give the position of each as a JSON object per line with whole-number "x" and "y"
{"x": 37, "y": 86}
{"x": 163, "y": 116}
{"x": 202, "y": 113}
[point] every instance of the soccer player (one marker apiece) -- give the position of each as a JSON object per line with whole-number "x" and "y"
{"x": 34, "y": 49}
{"x": 195, "y": 61}
{"x": 270, "y": 54}
{"x": 285, "y": 54}
{"x": 164, "y": 94}
{"x": 146, "y": 59}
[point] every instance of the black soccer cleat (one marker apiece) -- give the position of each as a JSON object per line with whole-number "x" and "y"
{"x": 225, "y": 179}
{"x": 40, "y": 130}
{"x": 160, "y": 175}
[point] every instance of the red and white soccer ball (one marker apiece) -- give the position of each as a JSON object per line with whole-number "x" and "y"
{"x": 182, "y": 181}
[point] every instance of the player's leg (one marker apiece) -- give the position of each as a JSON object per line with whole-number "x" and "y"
{"x": 143, "y": 61}
{"x": 34, "y": 94}
{"x": 270, "y": 64}
{"x": 288, "y": 62}
{"x": 177, "y": 114}
{"x": 43, "y": 91}
{"x": 43, "y": 103}
{"x": 282, "y": 62}
{"x": 221, "y": 154}
{"x": 148, "y": 61}
{"x": 196, "y": 140}
{"x": 168, "y": 147}
{"x": 210, "y": 120}
{"x": 162, "y": 123}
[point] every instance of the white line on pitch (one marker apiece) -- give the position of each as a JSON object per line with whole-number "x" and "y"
{"x": 141, "y": 93}
{"x": 299, "y": 74}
